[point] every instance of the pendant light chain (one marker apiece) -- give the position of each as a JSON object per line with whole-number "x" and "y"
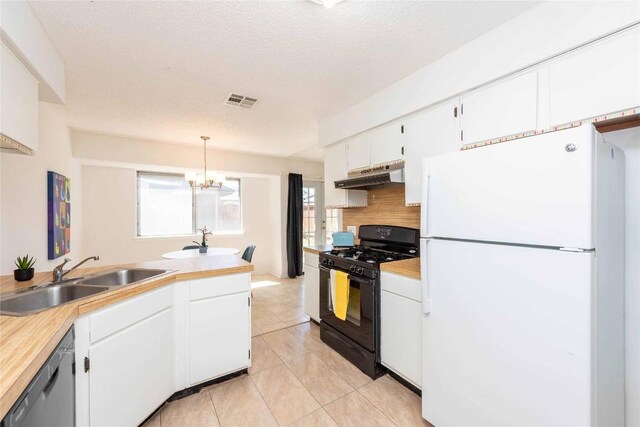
{"x": 204, "y": 138}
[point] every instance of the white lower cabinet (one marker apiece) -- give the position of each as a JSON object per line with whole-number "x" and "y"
{"x": 311, "y": 286}
{"x": 124, "y": 373}
{"x": 219, "y": 327}
{"x": 401, "y": 327}
{"x": 140, "y": 351}
{"x": 218, "y": 342}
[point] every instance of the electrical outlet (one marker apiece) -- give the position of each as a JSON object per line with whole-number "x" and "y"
{"x": 352, "y": 229}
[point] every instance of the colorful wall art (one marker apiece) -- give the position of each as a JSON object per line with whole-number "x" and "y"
{"x": 59, "y": 214}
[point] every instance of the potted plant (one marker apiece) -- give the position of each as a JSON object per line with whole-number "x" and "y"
{"x": 202, "y": 246}
{"x": 25, "y": 268}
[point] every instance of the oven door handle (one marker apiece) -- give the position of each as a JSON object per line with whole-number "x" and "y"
{"x": 358, "y": 279}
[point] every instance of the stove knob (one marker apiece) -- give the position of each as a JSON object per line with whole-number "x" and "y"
{"x": 325, "y": 261}
{"x": 352, "y": 268}
{"x": 360, "y": 270}
{"x": 330, "y": 262}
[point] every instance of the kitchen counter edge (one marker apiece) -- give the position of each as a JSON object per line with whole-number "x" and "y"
{"x": 406, "y": 267}
{"x": 27, "y": 341}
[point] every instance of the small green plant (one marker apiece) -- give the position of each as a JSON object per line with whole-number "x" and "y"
{"x": 25, "y": 263}
{"x": 205, "y": 233}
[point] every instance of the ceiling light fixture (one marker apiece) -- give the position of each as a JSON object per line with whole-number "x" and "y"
{"x": 328, "y": 4}
{"x": 213, "y": 180}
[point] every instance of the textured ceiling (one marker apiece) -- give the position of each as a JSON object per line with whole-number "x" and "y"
{"x": 161, "y": 70}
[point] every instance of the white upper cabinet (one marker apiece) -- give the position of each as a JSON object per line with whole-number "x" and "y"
{"x": 600, "y": 79}
{"x": 19, "y": 105}
{"x": 506, "y": 108}
{"x": 387, "y": 143}
{"x": 427, "y": 134}
{"x": 359, "y": 152}
{"x": 335, "y": 169}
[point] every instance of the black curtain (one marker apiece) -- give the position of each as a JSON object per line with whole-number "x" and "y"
{"x": 294, "y": 226}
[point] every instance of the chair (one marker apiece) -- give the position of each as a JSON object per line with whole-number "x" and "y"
{"x": 190, "y": 247}
{"x": 248, "y": 253}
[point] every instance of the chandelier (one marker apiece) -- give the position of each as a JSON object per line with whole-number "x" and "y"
{"x": 207, "y": 179}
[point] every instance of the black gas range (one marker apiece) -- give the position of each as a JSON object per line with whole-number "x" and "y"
{"x": 358, "y": 337}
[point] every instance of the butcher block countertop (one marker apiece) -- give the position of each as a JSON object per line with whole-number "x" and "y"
{"x": 405, "y": 267}
{"x": 317, "y": 248}
{"x": 26, "y": 342}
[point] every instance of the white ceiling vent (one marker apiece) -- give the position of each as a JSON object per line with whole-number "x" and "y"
{"x": 239, "y": 100}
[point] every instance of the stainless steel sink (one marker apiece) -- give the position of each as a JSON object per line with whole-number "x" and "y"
{"x": 39, "y": 298}
{"x": 34, "y": 301}
{"x": 125, "y": 276}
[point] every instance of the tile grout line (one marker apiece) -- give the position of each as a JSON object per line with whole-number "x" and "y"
{"x": 303, "y": 386}
{"x": 330, "y": 369}
{"x": 284, "y": 327}
{"x": 262, "y": 397}
{"x": 295, "y": 376}
{"x": 374, "y": 405}
{"x": 215, "y": 411}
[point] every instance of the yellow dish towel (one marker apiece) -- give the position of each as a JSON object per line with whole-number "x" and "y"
{"x": 342, "y": 295}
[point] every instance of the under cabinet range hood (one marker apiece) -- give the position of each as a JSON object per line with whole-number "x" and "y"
{"x": 374, "y": 176}
{"x": 10, "y": 145}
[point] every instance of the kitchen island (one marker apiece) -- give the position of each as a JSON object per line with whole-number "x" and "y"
{"x": 27, "y": 341}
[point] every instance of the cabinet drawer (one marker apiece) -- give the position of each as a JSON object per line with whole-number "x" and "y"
{"x": 401, "y": 285}
{"x": 220, "y": 285}
{"x": 122, "y": 315}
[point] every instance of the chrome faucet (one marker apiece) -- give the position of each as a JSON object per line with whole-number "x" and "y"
{"x": 59, "y": 272}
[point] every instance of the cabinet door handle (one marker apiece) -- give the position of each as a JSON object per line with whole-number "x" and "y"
{"x": 455, "y": 111}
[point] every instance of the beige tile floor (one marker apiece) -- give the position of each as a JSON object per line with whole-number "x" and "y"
{"x": 277, "y": 303}
{"x": 295, "y": 379}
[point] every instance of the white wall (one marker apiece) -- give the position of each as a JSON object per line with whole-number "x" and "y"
{"x": 101, "y": 150}
{"x": 110, "y": 220}
{"x": 117, "y": 150}
{"x": 629, "y": 141}
{"x": 23, "y": 190}
{"x": 537, "y": 34}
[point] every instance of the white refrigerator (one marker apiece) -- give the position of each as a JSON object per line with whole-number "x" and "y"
{"x": 522, "y": 275}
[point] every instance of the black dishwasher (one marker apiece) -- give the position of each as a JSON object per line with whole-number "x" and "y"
{"x": 50, "y": 398}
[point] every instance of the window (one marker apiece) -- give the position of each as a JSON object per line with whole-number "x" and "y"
{"x": 219, "y": 210}
{"x": 308, "y": 216}
{"x": 164, "y": 205}
{"x": 168, "y": 206}
{"x": 332, "y": 223}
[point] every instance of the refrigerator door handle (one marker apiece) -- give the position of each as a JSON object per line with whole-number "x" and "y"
{"x": 424, "y": 201}
{"x": 426, "y": 297}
